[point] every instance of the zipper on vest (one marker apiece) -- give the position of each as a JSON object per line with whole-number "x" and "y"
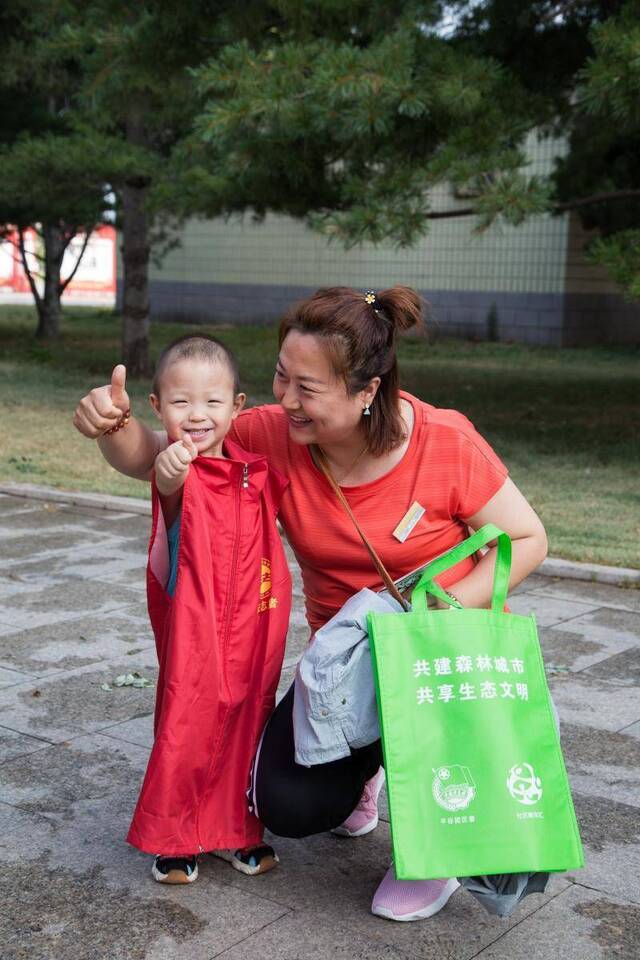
{"x": 216, "y": 759}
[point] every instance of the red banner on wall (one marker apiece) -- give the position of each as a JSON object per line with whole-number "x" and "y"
{"x": 94, "y": 280}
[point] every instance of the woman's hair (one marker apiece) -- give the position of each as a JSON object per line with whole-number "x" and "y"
{"x": 360, "y": 341}
{"x": 198, "y": 346}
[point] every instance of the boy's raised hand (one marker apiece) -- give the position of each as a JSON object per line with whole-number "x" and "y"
{"x": 103, "y": 406}
{"x": 172, "y": 465}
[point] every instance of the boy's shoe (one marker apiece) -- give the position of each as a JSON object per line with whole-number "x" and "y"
{"x": 411, "y": 899}
{"x": 250, "y": 860}
{"x": 364, "y": 818}
{"x": 174, "y": 869}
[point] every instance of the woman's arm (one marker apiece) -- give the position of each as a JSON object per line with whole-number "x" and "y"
{"x": 133, "y": 449}
{"x": 510, "y": 511}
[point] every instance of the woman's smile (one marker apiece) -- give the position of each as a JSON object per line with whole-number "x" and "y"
{"x": 299, "y": 421}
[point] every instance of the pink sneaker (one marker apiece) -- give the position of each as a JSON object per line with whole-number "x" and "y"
{"x": 411, "y": 899}
{"x": 364, "y": 818}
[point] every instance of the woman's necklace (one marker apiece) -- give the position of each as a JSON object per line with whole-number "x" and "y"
{"x": 351, "y": 468}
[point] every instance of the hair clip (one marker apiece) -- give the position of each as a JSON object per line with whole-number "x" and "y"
{"x": 369, "y": 297}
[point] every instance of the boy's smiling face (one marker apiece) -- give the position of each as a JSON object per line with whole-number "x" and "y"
{"x": 197, "y": 398}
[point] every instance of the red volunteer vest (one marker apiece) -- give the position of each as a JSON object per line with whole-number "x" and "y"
{"x": 220, "y": 643}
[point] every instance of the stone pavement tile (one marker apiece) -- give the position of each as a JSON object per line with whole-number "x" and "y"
{"x": 63, "y": 601}
{"x": 594, "y": 703}
{"x": 599, "y": 594}
{"x": 109, "y": 558}
{"x": 298, "y": 634}
{"x": 118, "y": 562}
{"x": 569, "y": 651}
{"x": 633, "y": 730}
{"x": 597, "y": 759}
{"x": 14, "y": 585}
{"x": 8, "y": 677}
{"x": 606, "y": 625}
{"x": 67, "y": 704}
{"x": 36, "y": 543}
{"x": 13, "y": 506}
{"x": 36, "y": 522}
{"x": 548, "y": 611}
{"x": 286, "y": 679}
{"x": 60, "y": 777}
{"x": 316, "y": 935}
{"x": 65, "y": 645}
{"x": 14, "y": 819}
{"x": 533, "y": 582}
{"x": 610, "y": 832}
{"x": 124, "y": 524}
{"x": 16, "y": 516}
{"x": 97, "y": 554}
{"x": 327, "y": 930}
{"x": 139, "y": 606}
{"x": 75, "y": 901}
{"x": 624, "y": 668}
{"x": 579, "y": 924}
{"x": 139, "y": 731}
{"x": 13, "y": 744}
{"x": 335, "y": 878}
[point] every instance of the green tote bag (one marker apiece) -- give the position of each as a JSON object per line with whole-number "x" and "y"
{"x": 475, "y": 775}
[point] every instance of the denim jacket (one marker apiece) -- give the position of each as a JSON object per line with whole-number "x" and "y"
{"x": 334, "y": 705}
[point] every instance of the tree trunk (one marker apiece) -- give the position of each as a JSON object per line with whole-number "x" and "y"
{"x": 135, "y": 259}
{"x": 49, "y": 303}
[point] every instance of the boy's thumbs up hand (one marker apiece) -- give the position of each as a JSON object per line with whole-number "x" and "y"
{"x": 189, "y": 446}
{"x": 103, "y": 406}
{"x": 172, "y": 465}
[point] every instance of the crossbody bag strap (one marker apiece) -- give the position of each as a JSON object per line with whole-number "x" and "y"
{"x": 377, "y": 562}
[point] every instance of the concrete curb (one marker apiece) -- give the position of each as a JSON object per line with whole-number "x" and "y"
{"x": 99, "y": 501}
{"x": 551, "y": 567}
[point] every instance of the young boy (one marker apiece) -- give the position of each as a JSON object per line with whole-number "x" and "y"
{"x": 219, "y": 595}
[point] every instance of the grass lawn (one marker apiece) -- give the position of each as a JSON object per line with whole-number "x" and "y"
{"x": 565, "y": 421}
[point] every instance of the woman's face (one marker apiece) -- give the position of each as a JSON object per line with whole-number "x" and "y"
{"x": 315, "y": 400}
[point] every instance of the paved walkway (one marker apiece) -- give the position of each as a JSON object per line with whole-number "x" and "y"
{"x": 72, "y": 617}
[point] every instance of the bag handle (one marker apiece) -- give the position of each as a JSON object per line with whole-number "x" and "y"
{"x": 377, "y": 562}
{"x": 460, "y": 552}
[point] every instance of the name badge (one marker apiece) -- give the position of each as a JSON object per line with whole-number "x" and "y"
{"x": 409, "y": 521}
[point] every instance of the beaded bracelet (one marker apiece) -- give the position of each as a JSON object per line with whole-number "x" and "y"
{"x": 122, "y": 422}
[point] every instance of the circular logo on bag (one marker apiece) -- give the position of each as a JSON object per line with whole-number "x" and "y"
{"x": 453, "y": 787}
{"x": 523, "y": 784}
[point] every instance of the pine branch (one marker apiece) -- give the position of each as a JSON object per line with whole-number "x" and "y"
{"x": 557, "y": 208}
{"x": 597, "y": 198}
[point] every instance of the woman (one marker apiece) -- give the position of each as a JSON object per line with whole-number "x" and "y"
{"x": 336, "y": 384}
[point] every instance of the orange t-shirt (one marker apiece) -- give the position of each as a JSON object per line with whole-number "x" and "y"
{"x": 448, "y": 468}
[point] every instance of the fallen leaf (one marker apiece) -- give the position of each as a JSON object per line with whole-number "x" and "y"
{"x": 131, "y": 680}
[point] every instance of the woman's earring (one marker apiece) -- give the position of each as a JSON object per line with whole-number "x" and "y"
{"x": 366, "y": 412}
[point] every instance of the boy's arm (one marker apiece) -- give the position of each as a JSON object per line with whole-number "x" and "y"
{"x": 131, "y": 450}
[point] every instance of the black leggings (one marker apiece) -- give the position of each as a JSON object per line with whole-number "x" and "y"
{"x": 296, "y": 801}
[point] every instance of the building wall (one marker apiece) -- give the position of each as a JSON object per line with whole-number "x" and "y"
{"x": 594, "y": 311}
{"x": 508, "y": 282}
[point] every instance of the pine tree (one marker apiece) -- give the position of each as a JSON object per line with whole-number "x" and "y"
{"x": 353, "y": 128}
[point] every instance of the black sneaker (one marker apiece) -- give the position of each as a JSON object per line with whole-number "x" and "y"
{"x": 174, "y": 869}
{"x": 251, "y": 860}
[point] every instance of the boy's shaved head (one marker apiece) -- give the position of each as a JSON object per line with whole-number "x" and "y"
{"x": 195, "y": 347}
